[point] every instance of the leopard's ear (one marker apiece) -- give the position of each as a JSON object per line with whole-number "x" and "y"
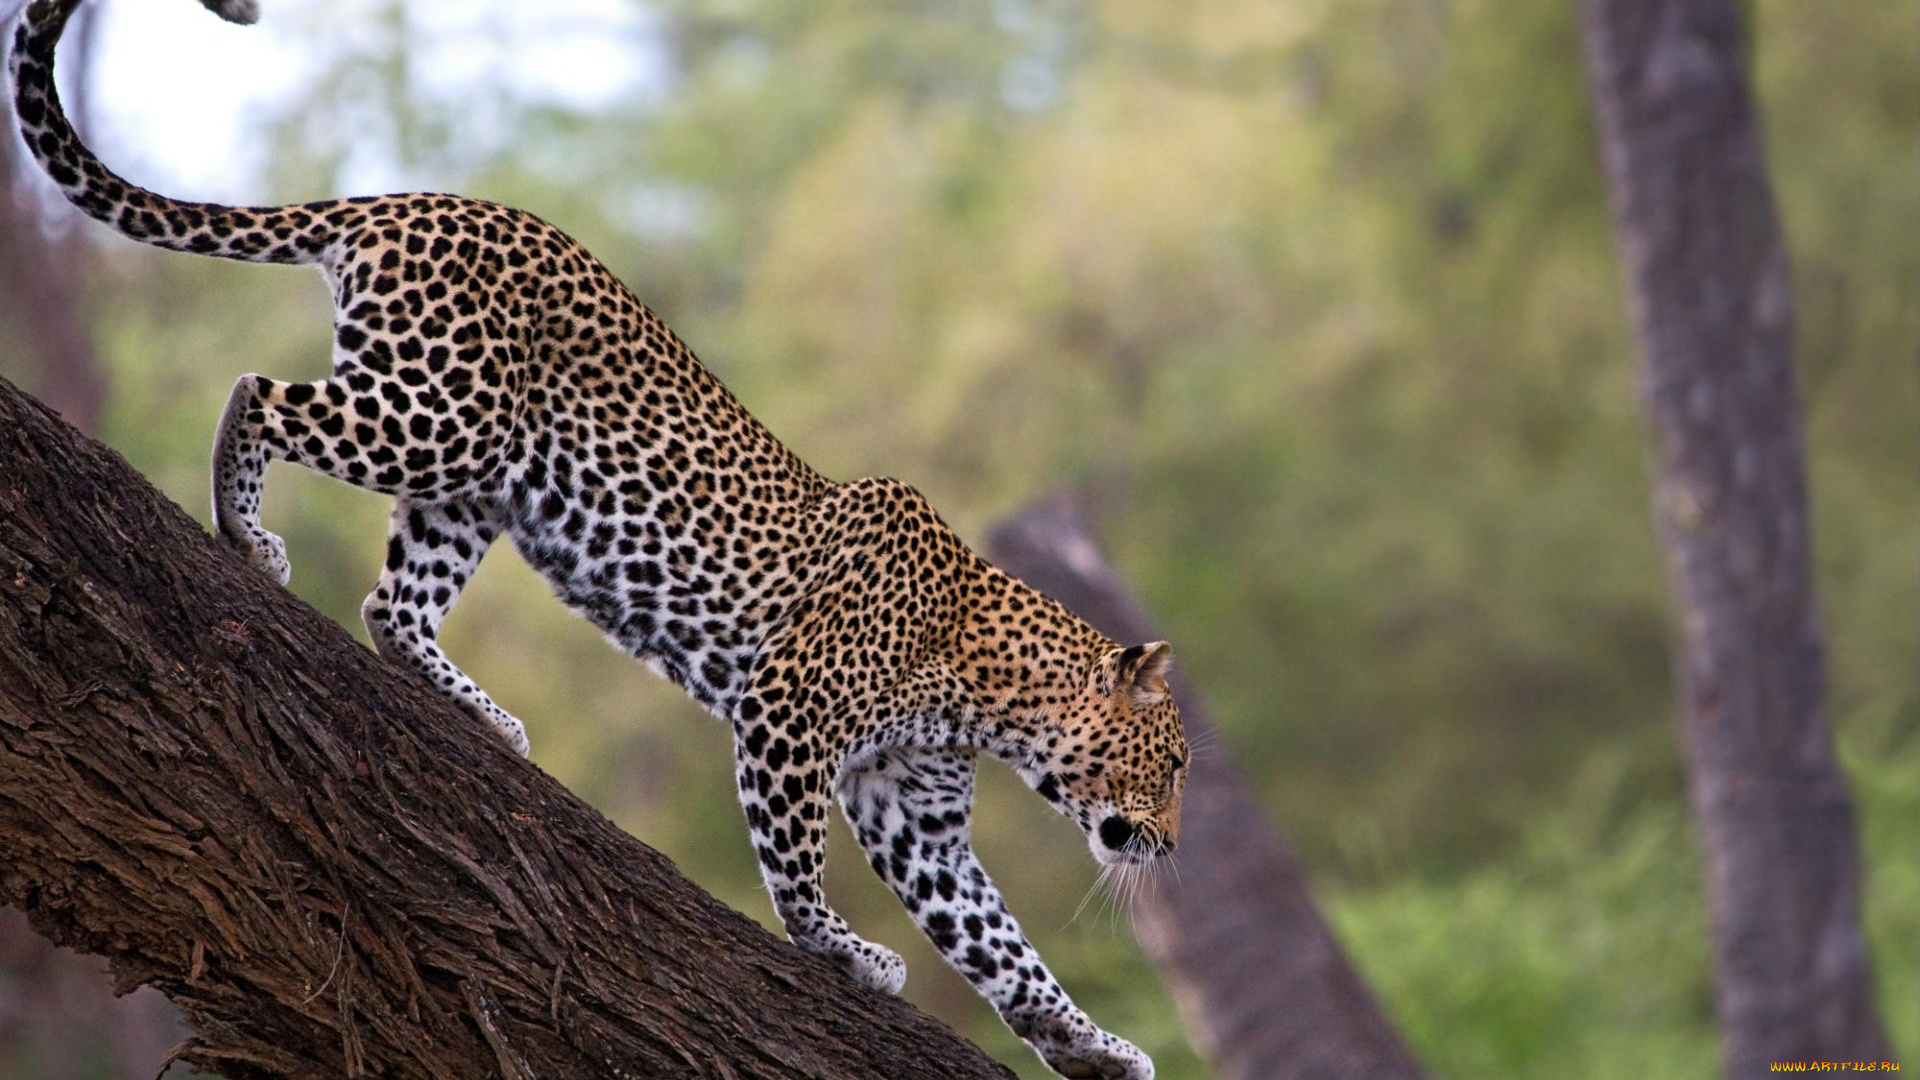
{"x": 1141, "y": 673}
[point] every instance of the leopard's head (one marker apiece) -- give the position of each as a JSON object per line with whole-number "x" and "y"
{"x": 1115, "y": 758}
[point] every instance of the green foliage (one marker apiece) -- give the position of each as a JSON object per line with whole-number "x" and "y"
{"x": 1319, "y": 302}
{"x": 1586, "y": 953}
{"x": 1887, "y": 793}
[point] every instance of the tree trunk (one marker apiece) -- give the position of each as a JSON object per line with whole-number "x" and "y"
{"x": 1264, "y": 986}
{"x": 1707, "y": 275}
{"x": 332, "y": 870}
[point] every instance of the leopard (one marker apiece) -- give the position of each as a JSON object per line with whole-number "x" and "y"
{"x": 494, "y": 378}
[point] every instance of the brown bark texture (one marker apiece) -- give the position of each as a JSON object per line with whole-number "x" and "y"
{"x": 1265, "y": 988}
{"x": 332, "y": 870}
{"x": 1708, "y": 282}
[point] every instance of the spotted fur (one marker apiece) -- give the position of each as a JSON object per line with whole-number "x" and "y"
{"x": 495, "y": 378}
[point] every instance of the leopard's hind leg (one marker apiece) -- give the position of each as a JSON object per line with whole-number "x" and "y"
{"x": 432, "y": 552}
{"x": 252, "y": 432}
{"x": 373, "y": 431}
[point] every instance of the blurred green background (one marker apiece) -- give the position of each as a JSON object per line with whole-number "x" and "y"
{"x": 1317, "y": 302}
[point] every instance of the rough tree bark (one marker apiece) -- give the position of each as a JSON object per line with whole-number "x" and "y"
{"x": 1707, "y": 273}
{"x": 331, "y": 869}
{"x": 1265, "y": 988}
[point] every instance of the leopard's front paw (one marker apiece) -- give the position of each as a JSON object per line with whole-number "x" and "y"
{"x": 503, "y": 722}
{"x": 515, "y": 733}
{"x": 1117, "y": 1060}
{"x": 875, "y": 965}
{"x": 1075, "y": 1048}
{"x": 263, "y": 550}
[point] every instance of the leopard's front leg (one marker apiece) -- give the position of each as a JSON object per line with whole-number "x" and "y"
{"x": 784, "y": 792}
{"x": 910, "y": 810}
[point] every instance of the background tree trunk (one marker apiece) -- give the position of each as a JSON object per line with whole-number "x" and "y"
{"x": 1707, "y": 275}
{"x": 1264, "y": 986}
{"x": 42, "y": 271}
{"x": 59, "y": 1018}
{"x": 331, "y": 869}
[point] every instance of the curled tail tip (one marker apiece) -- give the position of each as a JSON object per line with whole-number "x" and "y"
{"x": 42, "y": 12}
{"x": 40, "y": 27}
{"x": 235, "y": 11}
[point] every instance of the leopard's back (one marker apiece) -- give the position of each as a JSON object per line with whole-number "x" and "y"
{"x": 624, "y": 470}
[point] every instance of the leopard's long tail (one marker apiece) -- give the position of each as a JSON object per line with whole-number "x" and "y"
{"x": 270, "y": 235}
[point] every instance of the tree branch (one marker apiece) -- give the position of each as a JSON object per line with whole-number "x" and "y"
{"x": 331, "y": 869}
